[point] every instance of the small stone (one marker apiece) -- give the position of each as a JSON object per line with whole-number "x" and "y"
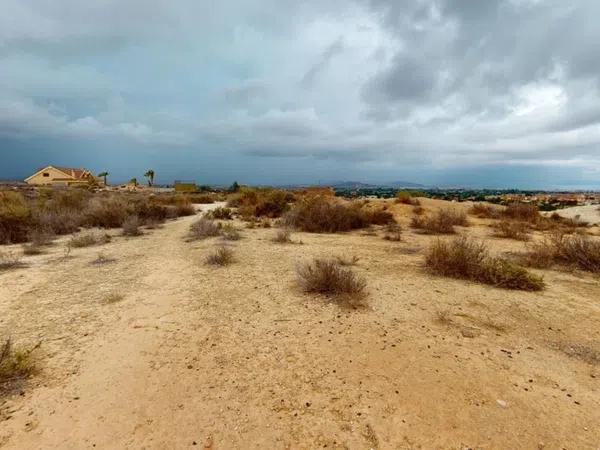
{"x": 502, "y": 403}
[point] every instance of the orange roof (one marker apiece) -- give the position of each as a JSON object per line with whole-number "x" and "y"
{"x": 74, "y": 172}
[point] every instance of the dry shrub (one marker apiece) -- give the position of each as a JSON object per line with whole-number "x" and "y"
{"x": 470, "y": 260}
{"x": 578, "y": 251}
{"x": 160, "y": 207}
{"x": 15, "y": 364}
{"x": 580, "y": 351}
{"x": 88, "y": 239}
{"x": 442, "y": 222}
{"x": 9, "y": 260}
{"x": 131, "y": 226}
{"x": 40, "y": 236}
{"x": 184, "y": 210}
{"x": 103, "y": 259}
{"x": 15, "y": 216}
{"x": 350, "y": 261}
{"x": 106, "y": 212}
{"x": 32, "y": 249}
{"x": 379, "y": 217}
{"x": 203, "y": 199}
{"x": 512, "y": 230}
{"x": 153, "y": 224}
{"x": 202, "y": 229}
{"x": 485, "y": 211}
{"x": 229, "y": 232}
{"x": 60, "y": 212}
{"x": 405, "y": 198}
{"x": 323, "y": 215}
{"x": 419, "y": 210}
{"x": 221, "y": 256}
{"x": 328, "y": 277}
{"x": 219, "y": 213}
{"x": 283, "y": 236}
{"x": 393, "y": 232}
{"x": 524, "y": 212}
{"x": 270, "y": 203}
{"x": 63, "y": 221}
{"x": 114, "y": 297}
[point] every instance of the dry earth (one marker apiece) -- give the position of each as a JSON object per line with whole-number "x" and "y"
{"x": 587, "y": 213}
{"x": 237, "y": 357}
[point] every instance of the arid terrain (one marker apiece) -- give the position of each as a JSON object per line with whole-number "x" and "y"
{"x": 587, "y": 213}
{"x": 150, "y": 348}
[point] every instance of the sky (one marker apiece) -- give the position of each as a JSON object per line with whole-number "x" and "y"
{"x": 494, "y": 93}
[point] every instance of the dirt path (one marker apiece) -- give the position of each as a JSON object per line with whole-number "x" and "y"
{"x": 238, "y": 358}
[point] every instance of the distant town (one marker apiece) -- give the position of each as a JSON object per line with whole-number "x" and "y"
{"x": 57, "y": 177}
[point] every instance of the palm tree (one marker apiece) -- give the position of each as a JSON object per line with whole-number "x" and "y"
{"x": 150, "y": 175}
{"x": 134, "y": 181}
{"x": 104, "y": 175}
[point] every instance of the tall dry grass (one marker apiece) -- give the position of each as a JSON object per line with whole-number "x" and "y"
{"x": 59, "y": 212}
{"x": 576, "y": 251}
{"x": 442, "y": 221}
{"x": 329, "y": 277}
{"x": 320, "y": 214}
{"x": 467, "y": 259}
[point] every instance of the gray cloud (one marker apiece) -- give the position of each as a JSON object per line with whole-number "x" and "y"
{"x": 330, "y": 52}
{"x": 379, "y": 84}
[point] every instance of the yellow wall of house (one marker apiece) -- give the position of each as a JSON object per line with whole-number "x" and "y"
{"x": 55, "y": 177}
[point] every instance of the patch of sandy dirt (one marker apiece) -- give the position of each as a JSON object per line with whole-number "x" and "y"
{"x": 237, "y": 357}
{"x": 587, "y": 213}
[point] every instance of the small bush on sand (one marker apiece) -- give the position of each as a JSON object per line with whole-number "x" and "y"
{"x": 202, "y": 229}
{"x": 103, "y": 259}
{"x": 470, "y": 260}
{"x": 63, "y": 221}
{"x": 40, "y": 236}
{"x": 267, "y": 202}
{"x": 522, "y": 211}
{"x": 114, "y": 297}
{"x": 485, "y": 211}
{"x": 347, "y": 261}
{"x": 15, "y": 216}
{"x": 204, "y": 199}
{"x": 419, "y": 210}
{"x": 442, "y": 222}
{"x": 512, "y": 230}
{"x": 131, "y": 226}
{"x": 220, "y": 214}
{"x": 88, "y": 239}
{"x": 283, "y": 236}
{"x": 185, "y": 210}
{"x": 9, "y": 260}
{"x": 32, "y": 249}
{"x": 578, "y": 251}
{"x": 393, "y": 232}
{"x": 328, "y": 277}
{"x": 106, "y": 212}
{"x": 229, "y": 232}
{"x": 379, "y": 217}
{"x": 320, "y": 214}
{"x": 221, "y": 256}
{"x": 15, "y": 364}
{"x": 406, "y": 198}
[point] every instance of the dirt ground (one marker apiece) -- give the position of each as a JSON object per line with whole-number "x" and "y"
{"x": 238, "y": 357}
{"x": 587, "y": 213}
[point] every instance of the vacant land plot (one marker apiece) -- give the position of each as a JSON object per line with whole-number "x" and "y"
{"x": 156, "y": 349}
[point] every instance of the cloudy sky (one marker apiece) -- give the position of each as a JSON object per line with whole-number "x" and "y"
{"x": 494, "y": 93}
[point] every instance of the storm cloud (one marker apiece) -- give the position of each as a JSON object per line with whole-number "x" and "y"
{"x": 270, "y": 91}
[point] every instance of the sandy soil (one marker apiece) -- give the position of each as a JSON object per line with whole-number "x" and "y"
{"x": 587, "y": 213}
{"x": 237, "y": 357}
